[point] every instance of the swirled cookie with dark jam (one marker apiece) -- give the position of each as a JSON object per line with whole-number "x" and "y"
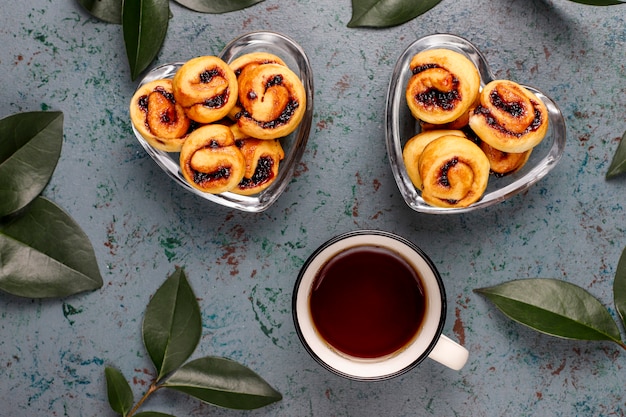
{"x": 272, "y": 100}
{"x": 443, "y": 86}
{"x": 206, "y": 87}
{"x": 247, "y": 62}
{"x": 210, "y": 160}
{"x": 509, "y": 117}
{"x": 414, "y": 147}
{"x": 157, "y": 116}
{"x": 262, "y": 158}
{"x": 454, "y": 172}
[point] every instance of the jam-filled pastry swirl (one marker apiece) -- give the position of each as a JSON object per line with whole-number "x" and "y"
{"x": 273, "y": 101}
{"x": 158, "y": 117}
{"x": 509, "y": 117}
{"x": 210, "y": 160}
{"x": 443, "y": 85}
{"x": 454, "y": 172}
{"x": 206, "y": 87}
{"x": 504, "y": 163}
{"x": 415, "y": 146}
{"x": 262, "y": 158}
{"x": 246, "y": 63}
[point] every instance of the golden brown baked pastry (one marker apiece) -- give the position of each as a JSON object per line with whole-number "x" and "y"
{"x": 206, "y": 87}
{"x": 210, "y": 160}
{"x": 504, "y": 163}
{"x": 414, "y": 147}
{"x": 262, "y": 158}
{"x": 510, "y": 118}
{"x": 158, "y": 117}
{"x": 247, "y": 62}
{"x": 273, "y": 101}
{"x": 443, "y": 86}
{"x": 454, "y": 172}
{"x": 459, "y": 123}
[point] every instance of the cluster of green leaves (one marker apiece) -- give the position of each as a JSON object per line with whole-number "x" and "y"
{"x": 144, "y": 22}
{"x": 43, "y": 251}
{"x": 171, "y": 330}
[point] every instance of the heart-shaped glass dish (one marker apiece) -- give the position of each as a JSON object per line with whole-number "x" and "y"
{"x": 294, "y": 144}
{"x": 401, "y": 126}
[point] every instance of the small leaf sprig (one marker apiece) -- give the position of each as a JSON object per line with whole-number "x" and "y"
{"x": 43, "y": 251}
{"x": 387, "y": 13}
{"x": 144, "y": 23}
{"x": 171, "y": 330}
{"x": 561, "y": 309}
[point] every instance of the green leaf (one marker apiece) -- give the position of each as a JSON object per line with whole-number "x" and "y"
{"x": 119, "y": 392}
{"x": 30, "y": 146}
{"x": 554, "y": 307}
{"x": 619, "y": 287}
{"x": 224, "y": 383}
{"x": 45, "y": 253}
{"x": 212, "y": 6}
{"x": 107, "y": 10}
{"x": 598, "y": 2}
{"x": 618, "y": 164}
{"x": 387, "y": 13}
{"x": 144, "y": 23}
{"x": 152, "y": 414}
{"x": 172, "y": 324}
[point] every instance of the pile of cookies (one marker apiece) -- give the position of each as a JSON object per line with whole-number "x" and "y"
{"x": 224, "y": 119}
{"x": 466, "y": 132}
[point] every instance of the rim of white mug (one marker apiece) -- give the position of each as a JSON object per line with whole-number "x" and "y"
{"x": 377, "y": 368}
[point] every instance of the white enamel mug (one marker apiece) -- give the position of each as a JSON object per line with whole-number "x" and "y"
{"x": 428, "y": 340}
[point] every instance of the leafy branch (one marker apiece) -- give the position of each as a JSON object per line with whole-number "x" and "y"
{"x": 43, "y": 251}
{"x": 171, "y": 331}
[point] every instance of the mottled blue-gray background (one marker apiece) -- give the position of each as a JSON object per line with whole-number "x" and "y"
{"x": 242, "y": 266}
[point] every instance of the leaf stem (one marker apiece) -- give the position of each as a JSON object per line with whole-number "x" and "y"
{"x": 151, "y": 390}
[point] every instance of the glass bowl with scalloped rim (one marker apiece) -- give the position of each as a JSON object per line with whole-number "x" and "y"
{"x": 400, "y": 126}
{"x": 293, "y": 144}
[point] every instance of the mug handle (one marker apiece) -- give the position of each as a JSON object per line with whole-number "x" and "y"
{"x": 449, "y": 353}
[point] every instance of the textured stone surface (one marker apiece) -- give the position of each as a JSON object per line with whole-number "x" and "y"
{"x": 242, "y": 266}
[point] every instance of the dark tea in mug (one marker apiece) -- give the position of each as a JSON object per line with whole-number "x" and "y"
{"x": 367, "y": 302}
{"x": 370, "y": 305}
